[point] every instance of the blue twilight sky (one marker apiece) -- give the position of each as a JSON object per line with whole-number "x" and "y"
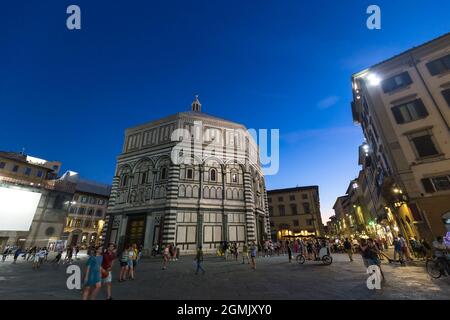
{"x": 69, "y": 95}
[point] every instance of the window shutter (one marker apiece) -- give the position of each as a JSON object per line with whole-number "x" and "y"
{"x": 397, "y": 115}
{"x": 428, "y": 185}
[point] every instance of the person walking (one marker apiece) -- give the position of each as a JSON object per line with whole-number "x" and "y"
{"x": 36, "y": 259}
{"x": 131, "y": 262}
{"x": 41, "y": 255}
{"x": 296, "y": 246}
{"x": 253, "y": 253}
{"x": 32, "y": 253}
{"x": 174, "y": 252}
{"x": 106, "y": 269}
{"x": 123, "y": 266}
{"x": 166, "y": 256}
{"x": 69, "y": 253}
{"x": 398, "y": 250}
{"x": 92, "y": 278}
{"x": 309, "y": 249}
{"x": 372, "y": 254}
{"x": 289, "y": 251}
{"x": 405, "y": 249}
{"x": 245, "y": 254}
{"x": 199, "y": 260}
{"x": 236, "y": 251}
{"x": 57, "y": 259}
{"x": 5, "y": 253}
{"x": 16, "y": 255}
{"x": 348, "y": 249}
{"x": 225, "y": 250}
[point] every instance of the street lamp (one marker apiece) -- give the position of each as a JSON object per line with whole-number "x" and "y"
{"x": 373, "y": 79}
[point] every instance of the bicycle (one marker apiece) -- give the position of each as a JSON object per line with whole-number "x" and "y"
{"x": 437, "y": 267}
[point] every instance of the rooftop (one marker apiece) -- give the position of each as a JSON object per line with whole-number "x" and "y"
{"x": 316, "y": 188}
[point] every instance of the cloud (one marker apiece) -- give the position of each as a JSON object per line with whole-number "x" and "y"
{"x": 328, "y": 102}
{"x": 296, "y": 136}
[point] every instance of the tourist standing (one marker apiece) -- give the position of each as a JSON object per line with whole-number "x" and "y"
{"x": 348, "y": 249}
{"x": 106, "y": 268}
{"x": 92, "y": 278}
{"x": 236, "y": 251}
{"x": 199, "y": 260}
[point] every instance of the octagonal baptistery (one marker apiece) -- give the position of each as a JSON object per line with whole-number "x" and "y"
{"x": 189, "y": 179}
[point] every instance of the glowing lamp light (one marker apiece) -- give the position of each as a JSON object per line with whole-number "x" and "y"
{"x": 374, "y": 80}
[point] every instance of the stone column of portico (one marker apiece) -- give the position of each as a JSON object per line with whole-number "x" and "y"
{"x": 266, "y": 217}
{"x": 224, "y": 214}
{"x": 170, "y": 215}
{"x": 199, "y": 211}
{"x": 106, "y": 231}
{"x": 249, "y": 206}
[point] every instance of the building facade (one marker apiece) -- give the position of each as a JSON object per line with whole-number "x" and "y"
{"x": 295, "y": 212}
{"x": 190, "y": 179}
{"x": 86, "y": 212}
{"x": 403, "y": 106}
{"x": 23, "y": 180}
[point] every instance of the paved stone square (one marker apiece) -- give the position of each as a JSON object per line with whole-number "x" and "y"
{"x": 274, "y": 278}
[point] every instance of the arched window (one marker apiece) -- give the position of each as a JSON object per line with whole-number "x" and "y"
{"x": 163, "y": 173}
{"x": 234, "y": 177}
{"x": 124, "y": 181}
{"x": 213, "y": 175}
